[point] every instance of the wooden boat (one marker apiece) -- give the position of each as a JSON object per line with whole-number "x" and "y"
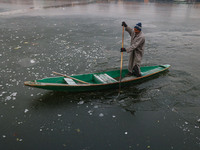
{"x": 96, "y": 81}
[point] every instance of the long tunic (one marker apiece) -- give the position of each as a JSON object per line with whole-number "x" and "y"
{"x": 136, "y": 49}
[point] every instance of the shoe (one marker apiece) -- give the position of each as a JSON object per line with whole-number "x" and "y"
{"x": 136, "y": 74}
{"x": 129, "y": 74}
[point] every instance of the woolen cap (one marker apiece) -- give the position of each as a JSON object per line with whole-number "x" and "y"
{"x": 138, "y": 26}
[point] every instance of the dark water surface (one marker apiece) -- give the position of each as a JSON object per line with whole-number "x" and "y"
{"x": 77, "y": 37}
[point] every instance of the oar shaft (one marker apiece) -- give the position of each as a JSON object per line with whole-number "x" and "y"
{"x": 123, "y": 37}
{"x": 121, "y": 60}
{"x": 120, "y": 79}
{"x": 71, "y": 77}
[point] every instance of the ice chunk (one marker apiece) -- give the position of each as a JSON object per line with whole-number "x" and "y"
{"x": 90, "y": 112}
{"x": 81, "y": 102}
{"x": 32, "y": 61}
{"x": 8, "y": 98}
{"x": 26, "y": 110}
{"x": 18, "y": 47}
{"x": 101, "y": 115}
{"x": 19, "y": 140}
{"x": 14, "y": 94}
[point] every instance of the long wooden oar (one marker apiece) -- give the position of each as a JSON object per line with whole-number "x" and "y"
{"x": 121, "y": 60}
{"x": 71, "y": 78}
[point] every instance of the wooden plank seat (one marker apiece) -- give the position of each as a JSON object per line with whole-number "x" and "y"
{"x": 104, "y": 78}
{"x": 69, "y": 81}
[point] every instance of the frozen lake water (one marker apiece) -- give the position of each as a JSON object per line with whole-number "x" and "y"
{"x": 75, "y": 37}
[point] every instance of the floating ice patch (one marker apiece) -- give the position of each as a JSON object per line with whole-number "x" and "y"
{"x": 14, "y": 94}
{"x": 27, "y": 62}
{"x": 18, "y": 47}
{"x": 174, "y": 110}
{"x": 90, "y": 112}
{"x": 2, "y": 93}
{"x": 19, "y": 140}
{"x": 81, "y": 102}
{"x": 26, "y": 110}
{"x": 32, "y": 61}
{"x": 19, "y": 122}
{"x": 185, "y": 129}
{"x": 101, "y": 115}
{"x": 8, "y": 98}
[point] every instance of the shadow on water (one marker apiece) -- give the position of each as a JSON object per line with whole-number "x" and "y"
{"x": 128, "y": 97}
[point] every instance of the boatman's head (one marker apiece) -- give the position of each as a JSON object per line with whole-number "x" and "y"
{"x": 138, "y": 27}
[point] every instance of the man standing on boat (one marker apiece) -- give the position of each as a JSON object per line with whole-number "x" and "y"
{"x": 136, "y": 49}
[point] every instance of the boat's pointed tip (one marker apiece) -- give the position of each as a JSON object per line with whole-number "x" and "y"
{"x": 28, "y": 83}
{"x": 166, "y": 65}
